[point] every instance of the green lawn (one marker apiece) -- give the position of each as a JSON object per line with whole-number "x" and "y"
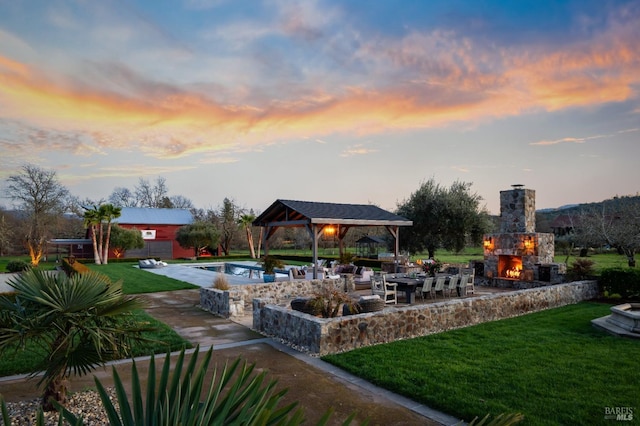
{"x": 552, "y": 366}
{"x": 163, "y": 338}
{"x": 601, "y": 261}
{"x": 136, "y": 281}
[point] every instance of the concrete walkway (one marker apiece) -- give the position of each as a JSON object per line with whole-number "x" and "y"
{"x": 315, "y": 384}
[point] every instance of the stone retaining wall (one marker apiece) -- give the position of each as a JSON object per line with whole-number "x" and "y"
{"x": 331, "y": 335}
{"x": 230, "y": 303}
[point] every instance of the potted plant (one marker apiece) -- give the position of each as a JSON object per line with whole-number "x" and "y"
{"x": 269, "y": 264}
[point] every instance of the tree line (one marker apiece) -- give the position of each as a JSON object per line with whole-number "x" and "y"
{"x": 443, "y": 217}
{"x": 43, "y": 208}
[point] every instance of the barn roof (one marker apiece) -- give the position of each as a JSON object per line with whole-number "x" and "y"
{"x": 151, "y": 216}
{"x": 292, "y": 212}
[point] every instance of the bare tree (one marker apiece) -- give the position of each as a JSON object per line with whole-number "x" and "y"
{"x": 615, "y": 222}
{"x": 148, "y": 195}
{"x": 122, "y": 197}
{"x": 180, "y": 202}
{"x": 41, "y": 198}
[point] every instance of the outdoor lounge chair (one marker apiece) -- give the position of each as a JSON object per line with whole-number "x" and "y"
{"x": 386, "y": 291}
{"x": 151, "y": 263}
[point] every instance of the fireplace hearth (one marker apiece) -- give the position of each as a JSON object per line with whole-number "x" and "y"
{"x": 517, "y": 253}
{"x": 509, "y": 266}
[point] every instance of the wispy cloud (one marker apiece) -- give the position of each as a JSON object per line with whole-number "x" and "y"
{"x": 359, "y": 149}
{"x": 462, "y": 169}
{"x": 569, "y": 140}
{"x": 421, "y": 79}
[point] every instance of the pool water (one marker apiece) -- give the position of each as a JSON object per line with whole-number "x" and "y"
{"x": 249, "y": 270}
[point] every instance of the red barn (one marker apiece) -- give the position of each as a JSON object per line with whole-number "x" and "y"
{"x": 158, "y": 227}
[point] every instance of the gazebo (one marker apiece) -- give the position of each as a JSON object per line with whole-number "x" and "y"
{"x": 318, "y": 216}
{"x": 369, "y": 245}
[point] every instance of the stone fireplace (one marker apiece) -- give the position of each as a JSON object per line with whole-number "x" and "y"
{"x": 518, "y": 254}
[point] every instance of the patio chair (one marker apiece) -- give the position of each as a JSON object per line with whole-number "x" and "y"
{"x": 453, "y": 284}
{"x": 386, "y": 291}
{"x": 472, "y": 274}
{"x": 440, "y": 285}
{"x": 469, "y": 287}
{"x": 427, "y": 287}
{"x": 462, "y": 284}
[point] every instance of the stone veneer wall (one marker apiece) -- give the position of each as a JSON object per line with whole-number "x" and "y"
{"x": 229, "y": 303}
{"x": 542, "y": 250}
{"x": 518, "y": 210}
{"x": 331, "y": 335}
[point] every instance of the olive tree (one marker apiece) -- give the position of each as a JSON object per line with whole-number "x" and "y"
{"x": 123, "y": 239}
{"x": 41, "y": 198}
{"x": 197, "y": 235}
{"x": 443, "y": 217}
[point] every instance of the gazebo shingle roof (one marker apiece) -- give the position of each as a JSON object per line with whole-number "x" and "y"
{"x": 318, "y": 212}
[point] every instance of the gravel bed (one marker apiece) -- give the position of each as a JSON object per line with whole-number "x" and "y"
{"x": 87, "y": 404}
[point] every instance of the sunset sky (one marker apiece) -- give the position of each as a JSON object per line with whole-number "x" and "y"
{"x": 336, "y": 101}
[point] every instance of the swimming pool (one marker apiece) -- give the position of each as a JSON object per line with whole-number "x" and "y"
{"x": 242, "y": 272}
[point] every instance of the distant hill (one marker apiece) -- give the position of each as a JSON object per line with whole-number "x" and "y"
{"x": 544, "y": 217}
{"x": 555, "y": 209}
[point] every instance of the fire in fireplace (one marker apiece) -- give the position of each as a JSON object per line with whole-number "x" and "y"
{"x": 509, "y": 266}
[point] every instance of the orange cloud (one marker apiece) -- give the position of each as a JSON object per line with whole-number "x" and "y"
{"x": 448, "y": 80}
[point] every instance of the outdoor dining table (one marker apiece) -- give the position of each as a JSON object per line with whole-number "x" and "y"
{"x": 408, "y": 285}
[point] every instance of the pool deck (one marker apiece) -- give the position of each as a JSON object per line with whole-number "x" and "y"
{"x": 194, "y": 274}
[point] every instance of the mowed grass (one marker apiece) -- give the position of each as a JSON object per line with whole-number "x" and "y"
{"x": 135, "y": 280}
{"x": 159, "y": 341}
{"x": 552, "y": 366}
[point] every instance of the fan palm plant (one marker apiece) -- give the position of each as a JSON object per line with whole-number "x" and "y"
{"x": 177, "y": 395}
{"x": 79, "y": 323}
{"x": 236, "y": 395}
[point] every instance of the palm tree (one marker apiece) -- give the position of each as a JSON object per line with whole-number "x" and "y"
{"x": 92, "y": 221}
{"x": 108, "y": 212}
{"x": 246, "y": 221}
{"x": 79, "y": 322}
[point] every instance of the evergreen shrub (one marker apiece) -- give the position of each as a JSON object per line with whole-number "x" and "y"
{"x": 625, "y": 282}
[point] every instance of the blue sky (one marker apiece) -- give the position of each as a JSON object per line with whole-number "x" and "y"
{"x": 349, "y": 101}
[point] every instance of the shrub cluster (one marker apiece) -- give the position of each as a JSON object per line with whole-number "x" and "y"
{"x": 17, "y": 266}
{"x": 581, "y": 269}
{"x": 618, "y": 282}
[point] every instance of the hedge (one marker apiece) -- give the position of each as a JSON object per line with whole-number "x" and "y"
{"x": 625, "y": 282}
{"x": 73, "y": 267}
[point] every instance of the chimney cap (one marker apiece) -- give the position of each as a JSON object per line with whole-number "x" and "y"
{"x": 517, "y": 185}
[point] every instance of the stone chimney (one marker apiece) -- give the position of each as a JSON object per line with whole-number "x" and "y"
{"x": 518, "y": 210}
